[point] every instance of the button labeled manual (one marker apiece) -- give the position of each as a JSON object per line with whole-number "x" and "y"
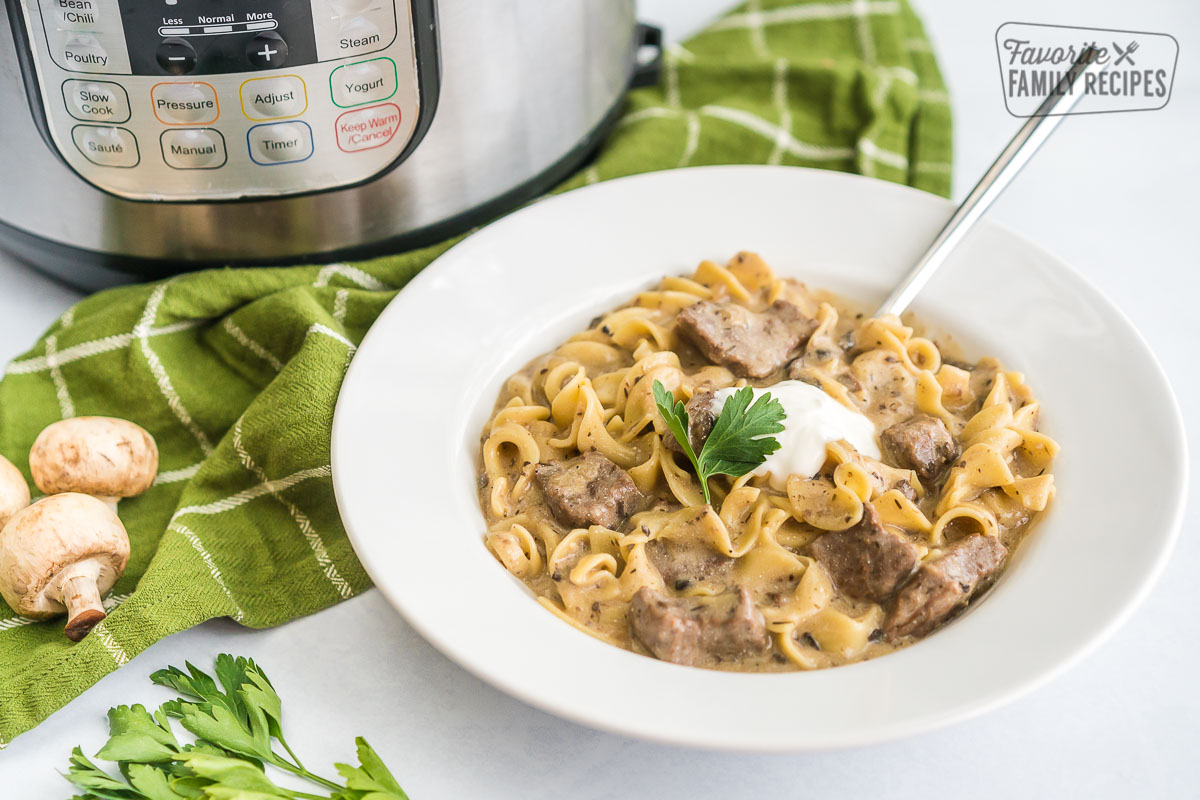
{"x": 274, "y": 98}
{"x": 106, "y": 146}
{"x": 364, "y": 82}
{"x": 185, "y": 103}
{"x": 279, "y": 143}
{"x": 193, "y": 148}
{"x": 96, "y": 101}
{"x": 367, "y": 128}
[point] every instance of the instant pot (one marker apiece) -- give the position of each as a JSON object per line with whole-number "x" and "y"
{"x": 139, "y": 138}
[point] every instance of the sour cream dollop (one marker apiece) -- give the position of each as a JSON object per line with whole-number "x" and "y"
{"x": 814, "y": 419}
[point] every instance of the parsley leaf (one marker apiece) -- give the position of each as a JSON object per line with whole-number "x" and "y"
{"x": 236, "y": 718}
{"x": 371, "y": 780}
{"x": 740, "y": 439}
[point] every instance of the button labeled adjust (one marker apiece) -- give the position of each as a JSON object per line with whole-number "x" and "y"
{"x": 363, "y": 82}
{"x": 274, "y": 98}
{"x": 186, "y": 103}
{"x": 367, "y": 128}
{"x": 96, "y": 101}
{"x": 193, "y": 148}
{"x": 279, "y": 143}
{"x": 108, "y": 147}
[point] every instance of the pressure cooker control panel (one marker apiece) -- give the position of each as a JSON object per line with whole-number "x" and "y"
{"x": 199, "y": 100}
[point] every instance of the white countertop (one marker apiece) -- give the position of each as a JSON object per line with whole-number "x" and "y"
{"x": 1113, "y": 194}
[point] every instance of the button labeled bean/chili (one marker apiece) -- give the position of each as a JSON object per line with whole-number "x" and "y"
{"x": 363, "y": 82}
{"x": 367, "y": 128}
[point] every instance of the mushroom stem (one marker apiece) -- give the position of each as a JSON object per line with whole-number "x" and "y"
{"x": 108, "y": 500}
{"x": 81, "y": 596}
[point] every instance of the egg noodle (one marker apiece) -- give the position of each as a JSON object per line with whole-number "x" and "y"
{"x": 594, "y": 393}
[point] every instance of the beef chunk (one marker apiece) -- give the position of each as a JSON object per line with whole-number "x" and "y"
{"x": 943, "y": 585}
{"x": 587, "y": 490}
{"x": 692, "y": 630}
{"x": 866, "y": 562}
{"x": 701, "y": 418}
{"x": 922, "y": 444}
{"x": 751, "y": 344}
{"x": 683, "y": 563}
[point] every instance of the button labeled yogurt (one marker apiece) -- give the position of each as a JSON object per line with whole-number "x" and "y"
{"x": 364, "y": 82}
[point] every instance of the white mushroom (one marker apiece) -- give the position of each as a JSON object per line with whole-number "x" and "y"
{"x": 62, "y": 554}
{"x": 14, "y": 492}
{"x": 105, "y": 457}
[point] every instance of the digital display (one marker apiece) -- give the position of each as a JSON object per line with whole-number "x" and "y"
{"x": 207, "y": 37}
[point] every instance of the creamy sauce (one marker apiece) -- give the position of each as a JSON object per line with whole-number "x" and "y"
{"x": 814, "y": 419}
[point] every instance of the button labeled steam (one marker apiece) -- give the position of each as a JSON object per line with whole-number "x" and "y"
{"x": 280, "y": 143}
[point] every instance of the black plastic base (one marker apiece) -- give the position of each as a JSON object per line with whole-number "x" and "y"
{"x": 90, "y": 269}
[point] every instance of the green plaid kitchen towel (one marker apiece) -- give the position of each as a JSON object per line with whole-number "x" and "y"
{"x": 235, "y": 372}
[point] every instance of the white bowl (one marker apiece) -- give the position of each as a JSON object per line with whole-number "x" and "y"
{"x": 407, "y": 426}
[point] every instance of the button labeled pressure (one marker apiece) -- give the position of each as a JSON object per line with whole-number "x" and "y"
{"x": 364, "y": 82}
{"x": 274, "y": 98}
{"x": 106, "y": 146}
{"x": 367, "y": 128}
{"x": 96, "y": 101}
{"x": 187, "y": 103}
{"x": 193, "y": 148}
{"x": 279, "y": 143}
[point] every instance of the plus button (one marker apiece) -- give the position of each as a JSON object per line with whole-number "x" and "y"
{"x": 267, "y": 50}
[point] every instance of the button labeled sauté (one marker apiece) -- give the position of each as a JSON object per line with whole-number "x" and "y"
{"x": 279, "y": 143}
{"x": 367, "y": 128}
{"x": 193, "y": 148}
{"x": 96, "y": 101}
{"x": 274, "y": 98}
{"x": 363, "y": 82}
{"x": 106, "y": 146}
{"x": 185, "y": 103}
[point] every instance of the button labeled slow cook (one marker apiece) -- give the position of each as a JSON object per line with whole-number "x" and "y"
{"x": 186, "y": 103}
{"x": 106, "y": 146}
{"x": 363, "y": 82}
{"x": 193, "y": 148}
{"x": 274, "y": 98}
{"x": 96, "y": 101}
{"x": 279, "y": 143}
{"x": 367, "y": 128}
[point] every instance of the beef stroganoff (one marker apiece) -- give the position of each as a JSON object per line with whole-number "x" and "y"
{"x": 893, "y": 492}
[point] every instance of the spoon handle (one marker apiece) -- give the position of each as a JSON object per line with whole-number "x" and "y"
{"x": 1029, "y": 138}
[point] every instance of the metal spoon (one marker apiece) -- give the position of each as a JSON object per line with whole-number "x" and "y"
{"x": 1022, "y": 147}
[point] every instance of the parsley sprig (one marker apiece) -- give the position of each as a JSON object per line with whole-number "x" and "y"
{"x": 740, "y": 439}
{"x": 235, "y": 719}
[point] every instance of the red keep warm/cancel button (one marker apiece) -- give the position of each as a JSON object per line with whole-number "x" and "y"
{"x": 365, "y": 128}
